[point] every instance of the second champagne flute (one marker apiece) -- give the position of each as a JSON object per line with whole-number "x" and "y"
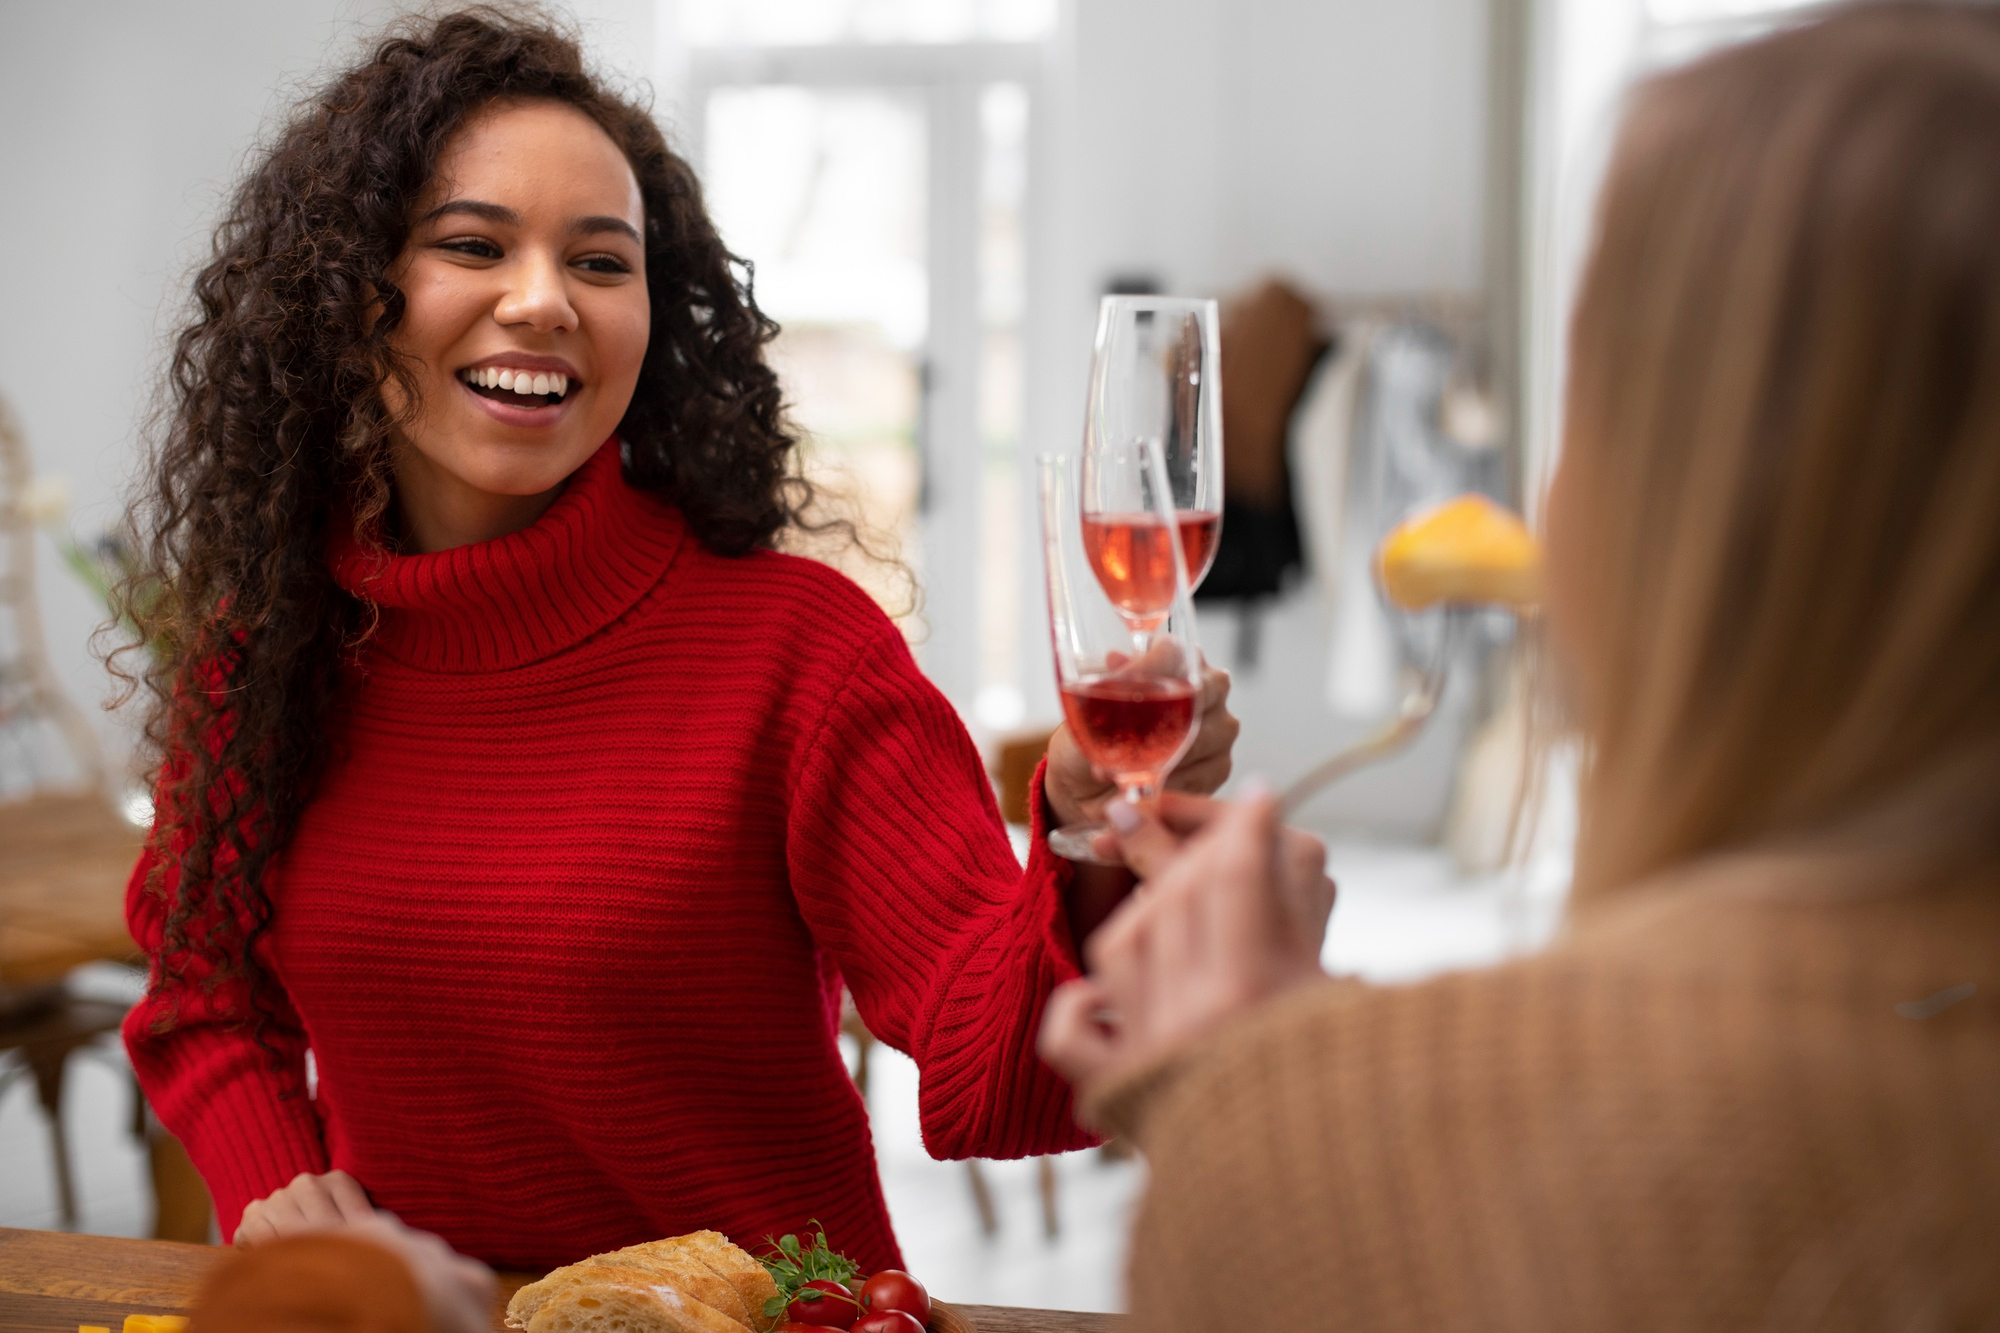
{"x": 1155, "y": 379}
{"x": 1131, "y": 706}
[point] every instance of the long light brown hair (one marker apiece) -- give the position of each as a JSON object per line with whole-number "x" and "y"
{"x": 1777, "y": 536}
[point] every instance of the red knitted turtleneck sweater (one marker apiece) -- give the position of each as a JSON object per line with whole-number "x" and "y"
{"x": 564, "y": 928}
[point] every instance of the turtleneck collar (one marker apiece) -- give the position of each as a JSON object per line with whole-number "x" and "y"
{"x": 526, "y": 596}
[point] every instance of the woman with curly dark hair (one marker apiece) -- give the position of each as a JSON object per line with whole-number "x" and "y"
{"x": 508, "y": 772}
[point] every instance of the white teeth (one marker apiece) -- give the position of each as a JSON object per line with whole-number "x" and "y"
{"x": 519, "y": 381}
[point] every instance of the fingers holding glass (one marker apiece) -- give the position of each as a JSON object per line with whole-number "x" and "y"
{"x": 1130, "y": 694}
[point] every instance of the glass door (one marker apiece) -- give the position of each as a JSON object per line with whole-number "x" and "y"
{"x": 879, "y": 194}
{"x": 823, "y": 190}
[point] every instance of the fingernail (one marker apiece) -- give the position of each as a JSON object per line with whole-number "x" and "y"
{"x": 1123, "y": 816}
{"x": 1255, "y": 788}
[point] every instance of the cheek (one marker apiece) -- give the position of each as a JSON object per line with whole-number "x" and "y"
{"x": 438, "y": 307}
{"x": 623, "y": 328}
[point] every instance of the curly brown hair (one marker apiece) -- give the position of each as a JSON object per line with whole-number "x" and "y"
{"x": 273, "y": 428}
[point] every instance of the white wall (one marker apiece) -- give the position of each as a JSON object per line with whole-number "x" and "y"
{"x": 1337, "y": 140}
{"x": 122, "y": 125}
{"x": 1209, "y": 142}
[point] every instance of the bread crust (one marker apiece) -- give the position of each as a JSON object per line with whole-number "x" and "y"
{"x": 735, "y": 1265}
{"x": 628, "y": 1307}
{"x": 682, "y": 1284}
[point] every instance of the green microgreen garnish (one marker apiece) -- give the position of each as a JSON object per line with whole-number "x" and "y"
{"x": 792, "y": 1265}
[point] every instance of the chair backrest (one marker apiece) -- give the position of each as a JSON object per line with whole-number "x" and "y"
{"x": 46, "y": 743}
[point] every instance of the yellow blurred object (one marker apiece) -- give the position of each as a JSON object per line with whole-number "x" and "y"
{"x": 1465, "y": 552}
{"x": 155, "y": 1323}
{"x": 92, "y": 1328}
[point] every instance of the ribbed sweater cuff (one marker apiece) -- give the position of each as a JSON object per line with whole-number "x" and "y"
{"x": 1005, "y": 1103}
{"x": 218, "y": 1095}
{"x": 1057, "y": 873}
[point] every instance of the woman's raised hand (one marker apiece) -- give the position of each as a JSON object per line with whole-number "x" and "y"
{"x": 1231, "y": 911}
{"x": 1078, "y": 793}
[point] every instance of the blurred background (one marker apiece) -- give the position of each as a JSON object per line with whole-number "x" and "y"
{"x": 1391, "y": 199}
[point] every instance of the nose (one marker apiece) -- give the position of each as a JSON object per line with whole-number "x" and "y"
{"x": 537, "y": 295}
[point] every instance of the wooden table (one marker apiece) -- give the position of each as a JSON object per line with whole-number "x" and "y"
{"x": 64, "y": 860}
{"x": 51, "y": 1281}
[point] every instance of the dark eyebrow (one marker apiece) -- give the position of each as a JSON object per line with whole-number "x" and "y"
{"x": 591, "y": 226}
{"x": 478, "y": 208}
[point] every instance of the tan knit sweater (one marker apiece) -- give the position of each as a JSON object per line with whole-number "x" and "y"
{"x": 1743, "y": 1100}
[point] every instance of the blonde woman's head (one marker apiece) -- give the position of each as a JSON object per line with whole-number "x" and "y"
{"x": 1775, "y": 532}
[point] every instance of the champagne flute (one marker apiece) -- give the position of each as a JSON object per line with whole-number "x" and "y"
{"x": 1156, "y": 377}
{"x": 1131, "y": 705}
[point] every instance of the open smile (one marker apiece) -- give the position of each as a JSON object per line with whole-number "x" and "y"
{"x": 522, "y": 389}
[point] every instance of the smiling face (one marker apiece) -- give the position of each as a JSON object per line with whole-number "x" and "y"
{"x": 525, "y": 320}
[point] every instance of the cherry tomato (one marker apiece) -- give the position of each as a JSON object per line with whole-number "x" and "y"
{"x": 835, "y": 1308}
{"x": 892, "y": 1289}
{"x": 889, "y": 1321}
{"x": 805, "y": 1328}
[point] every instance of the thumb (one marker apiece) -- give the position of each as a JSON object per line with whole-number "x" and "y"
{"x": 1146, "y": 845}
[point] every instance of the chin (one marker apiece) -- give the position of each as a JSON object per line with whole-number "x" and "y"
{"x": 520, "y": 477}
{"x": 523, "y": 467}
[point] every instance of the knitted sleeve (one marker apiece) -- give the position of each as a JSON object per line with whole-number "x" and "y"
{"x": 903, "y": 872}
{"x": 240, "y": 1110}
{"x": 1705, "y": 1112}
{"x": 1437, "y": 1156}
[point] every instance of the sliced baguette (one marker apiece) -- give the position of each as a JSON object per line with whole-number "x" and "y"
{"x": 705, "y": 1265}
{"x": 734, "y": 1265}
{"x": 681, "y": 1268}
{"x": 626, "y": 1307}
{"x": 600, "y": 1271}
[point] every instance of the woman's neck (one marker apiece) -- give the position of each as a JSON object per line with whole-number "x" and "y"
{"x": 437, "y": 511}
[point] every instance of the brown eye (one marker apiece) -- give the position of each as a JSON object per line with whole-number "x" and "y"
{"x": 474, "y": 246}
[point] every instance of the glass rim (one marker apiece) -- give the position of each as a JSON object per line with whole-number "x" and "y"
{"x": 1153, "y": 301}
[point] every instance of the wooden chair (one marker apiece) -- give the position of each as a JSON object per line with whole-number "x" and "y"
{"x": 1015, "y": 758}
{"x": 65, "y": 855}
